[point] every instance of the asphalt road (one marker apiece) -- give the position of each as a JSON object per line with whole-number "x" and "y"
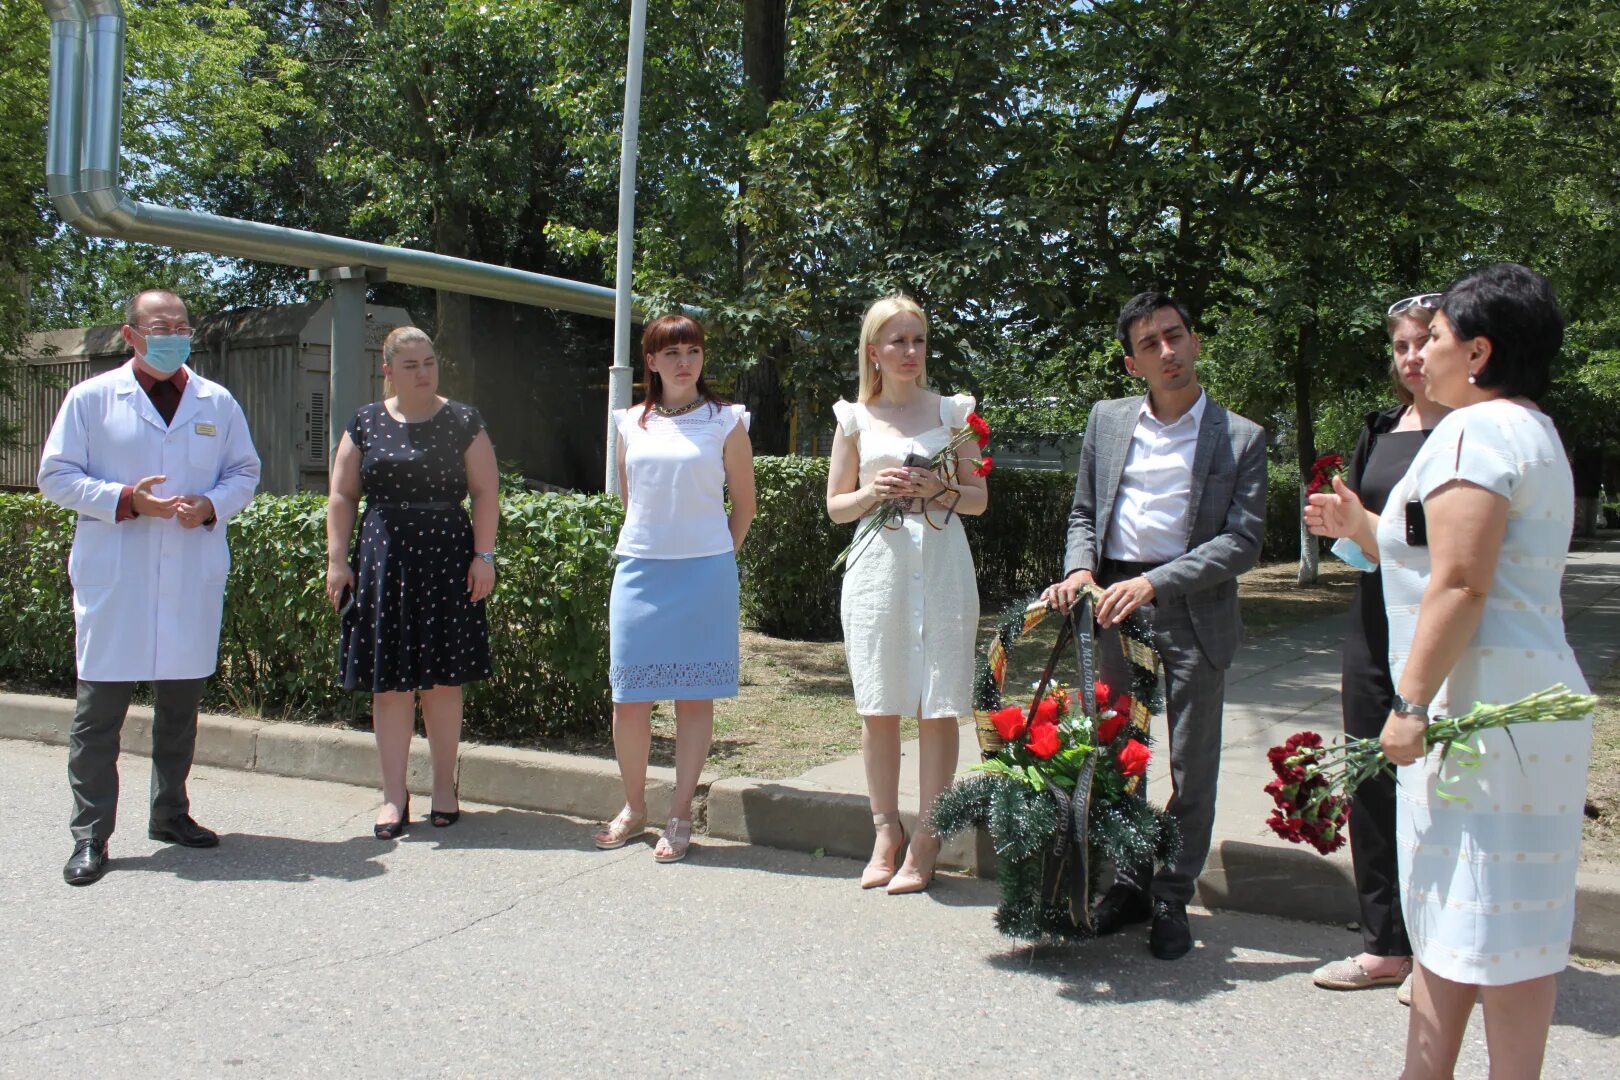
{"x": 507, "y": 946}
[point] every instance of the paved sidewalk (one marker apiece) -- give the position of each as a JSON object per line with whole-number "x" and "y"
{"x": 506, "y": 946}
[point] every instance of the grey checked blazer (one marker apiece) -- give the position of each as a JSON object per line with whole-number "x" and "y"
{"x": 1227, "y": 514}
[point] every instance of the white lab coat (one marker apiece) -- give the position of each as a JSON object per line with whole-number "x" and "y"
{"x": 148, "y": 593}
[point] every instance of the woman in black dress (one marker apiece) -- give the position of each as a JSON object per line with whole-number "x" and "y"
{"x": 1388, "y": 443}
{"x": 412, "y": 598}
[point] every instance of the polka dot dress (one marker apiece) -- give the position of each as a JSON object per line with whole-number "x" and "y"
{"x": 412, "y": 626}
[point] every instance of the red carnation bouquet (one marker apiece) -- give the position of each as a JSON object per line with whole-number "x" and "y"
{"x": 1048, "y": 746}
{"x": 1314, "y": 781}
{"x": 945, "y": 464}
{"x": 1323, "y": 470}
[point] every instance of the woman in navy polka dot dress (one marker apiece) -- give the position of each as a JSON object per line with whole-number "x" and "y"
{"x": 412, "y": 599}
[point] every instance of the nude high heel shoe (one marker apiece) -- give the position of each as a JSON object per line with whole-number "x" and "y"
{"x": 877, "y": 872}
{"x": 912, "y": 878}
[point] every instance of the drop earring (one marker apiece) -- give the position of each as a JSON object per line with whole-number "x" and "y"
{"x": 1473, "y": 380}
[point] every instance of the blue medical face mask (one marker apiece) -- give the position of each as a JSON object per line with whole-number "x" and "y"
{"x": 167, "y": 352}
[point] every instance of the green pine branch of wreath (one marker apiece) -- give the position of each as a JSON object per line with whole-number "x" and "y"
{"x": 1060, "y": 819}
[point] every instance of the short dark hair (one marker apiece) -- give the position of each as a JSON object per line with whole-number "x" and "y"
{"x": 1143, "y": 306}
{"x": 1516, "y": 309}
{"x": 134, "y": 302}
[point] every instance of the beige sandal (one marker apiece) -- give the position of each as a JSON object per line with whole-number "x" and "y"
{"x": 877, "y": 874}
{"x": 676, "y": 839}
{"x": 621, "y": 830}
{"x": 1348, "y": 974}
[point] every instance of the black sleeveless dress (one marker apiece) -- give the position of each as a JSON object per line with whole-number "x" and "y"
{"x": 412, "y": 626}
{"x": 1380, "y": 461}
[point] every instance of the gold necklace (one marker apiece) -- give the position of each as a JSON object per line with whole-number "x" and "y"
{"x": 658, "y": 407}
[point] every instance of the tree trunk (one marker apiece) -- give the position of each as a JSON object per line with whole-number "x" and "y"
{"x": 452, "y": 330}
{"x": 764, "y": 74}
{"x": 1305, "y": 430}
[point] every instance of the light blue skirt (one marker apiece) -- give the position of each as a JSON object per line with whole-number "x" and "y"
{"x": 672, "y": 629}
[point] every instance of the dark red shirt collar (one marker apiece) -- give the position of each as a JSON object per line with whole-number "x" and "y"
{"x": 148, "y": 381}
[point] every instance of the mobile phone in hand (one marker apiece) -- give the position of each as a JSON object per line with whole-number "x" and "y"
{"x": 916, "y": 461}
{"x": 346, "y": 601}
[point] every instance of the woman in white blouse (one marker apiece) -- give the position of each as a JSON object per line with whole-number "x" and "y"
{"x": 910, "y": 599}
{"x": 672, "y": 617}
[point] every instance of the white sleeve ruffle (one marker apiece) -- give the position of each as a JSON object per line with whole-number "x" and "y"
{"x": 848, "y": 416}
{"x": 954, "y": 410}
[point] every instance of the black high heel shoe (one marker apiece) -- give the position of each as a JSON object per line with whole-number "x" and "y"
{"x": 443, "y": 819}
{"x": 391, "y": 830}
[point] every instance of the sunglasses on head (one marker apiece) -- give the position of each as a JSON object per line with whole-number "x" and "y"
{"x": 1429, "y": 301}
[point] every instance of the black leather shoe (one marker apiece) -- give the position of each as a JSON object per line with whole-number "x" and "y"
{"x": 185, "y": 832}
{"x": 1120, "y": 906}
{"x": 87, "y": 864}
{"x": 1171, "y": 937}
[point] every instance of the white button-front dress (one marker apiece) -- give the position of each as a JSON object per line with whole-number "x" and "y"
{"x": 910, "y": 598}
{"x": 1488, "y": 877}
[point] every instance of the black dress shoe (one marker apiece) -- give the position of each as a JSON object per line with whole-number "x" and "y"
{"x": 87, "y": 864}
{"x": 1120, "y": 906}
{"x": 183, "y": 831}
{"x": 1171, "y": 937}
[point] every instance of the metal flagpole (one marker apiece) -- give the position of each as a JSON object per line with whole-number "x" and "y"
{"x": 620, "y": 373}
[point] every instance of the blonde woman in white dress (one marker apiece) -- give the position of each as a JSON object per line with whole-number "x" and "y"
{"x": 1472, "y": 542}
{"x": 910, "y": 600}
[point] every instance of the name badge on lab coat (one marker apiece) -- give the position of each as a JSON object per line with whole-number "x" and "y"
{"x": 204, "y": 429}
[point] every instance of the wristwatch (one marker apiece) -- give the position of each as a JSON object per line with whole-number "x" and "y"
{"x": 1406, "y": 708}
{"x": 487, "y": 556}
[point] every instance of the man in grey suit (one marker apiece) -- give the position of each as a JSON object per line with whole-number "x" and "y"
{"x": 1169, "y": 508}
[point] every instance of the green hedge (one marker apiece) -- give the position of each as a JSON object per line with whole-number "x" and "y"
{"x": 548, "y": 614}
{"x": 1282, "y": 511}
{"x": 278, "y": 643}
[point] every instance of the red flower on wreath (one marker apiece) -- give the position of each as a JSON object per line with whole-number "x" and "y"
{"x": 1133, "y": 759}
{"x": 1043, "y": 740}
{"x": 1105, "y": 693}
{"x": 1110, "y": 728}
{"x": 1045, "y": 713}
{"x": 984, "y": 466}
{"x": 981, "y": 430}
{"x": 1009, "y": 722}
{"x": 1122, "y": 704}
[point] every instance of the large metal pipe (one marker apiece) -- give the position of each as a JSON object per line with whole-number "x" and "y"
{"x": 84, "y": 143}
{"x": 620, "y": 373}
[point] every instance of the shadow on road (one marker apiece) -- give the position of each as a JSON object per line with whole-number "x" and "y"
{"x": 1120, "y": 969}
{"x": 250, "y": 857}
{"x": 1589, "y": 999}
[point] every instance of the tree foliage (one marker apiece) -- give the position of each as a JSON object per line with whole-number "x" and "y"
{"x": 1021, "y": 167}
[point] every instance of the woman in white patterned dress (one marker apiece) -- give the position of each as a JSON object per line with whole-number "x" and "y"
{"x": 1472, "y": 543}
{"x": 910, "y": 599}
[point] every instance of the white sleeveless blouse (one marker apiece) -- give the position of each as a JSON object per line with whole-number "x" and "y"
{"x": 675, "y": 477}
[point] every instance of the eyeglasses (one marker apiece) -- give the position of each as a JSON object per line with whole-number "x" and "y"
{"x": 176, "y": 331}
{"x": 1429, "y": 301}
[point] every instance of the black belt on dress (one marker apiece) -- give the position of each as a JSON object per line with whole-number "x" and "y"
{"x": 405, "y": 505}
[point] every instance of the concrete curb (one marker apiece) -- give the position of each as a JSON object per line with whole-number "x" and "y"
{"x": 1255, "y": 876}
{"x": 527, "y": 779}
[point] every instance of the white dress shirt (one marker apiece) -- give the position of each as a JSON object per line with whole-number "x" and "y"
{"x": 1149, "y": 523}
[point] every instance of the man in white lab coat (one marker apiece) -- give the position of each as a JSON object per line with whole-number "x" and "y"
{"x": 155, "y": 459}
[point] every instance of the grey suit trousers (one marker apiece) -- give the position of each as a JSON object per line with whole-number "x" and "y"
{"x": 1194, "y": 694}
{"x": 98, "y": 720}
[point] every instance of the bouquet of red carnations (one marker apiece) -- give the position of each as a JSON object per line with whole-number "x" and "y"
{"x": 1314, "y": 781}
{"x": 889, "y": 514}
